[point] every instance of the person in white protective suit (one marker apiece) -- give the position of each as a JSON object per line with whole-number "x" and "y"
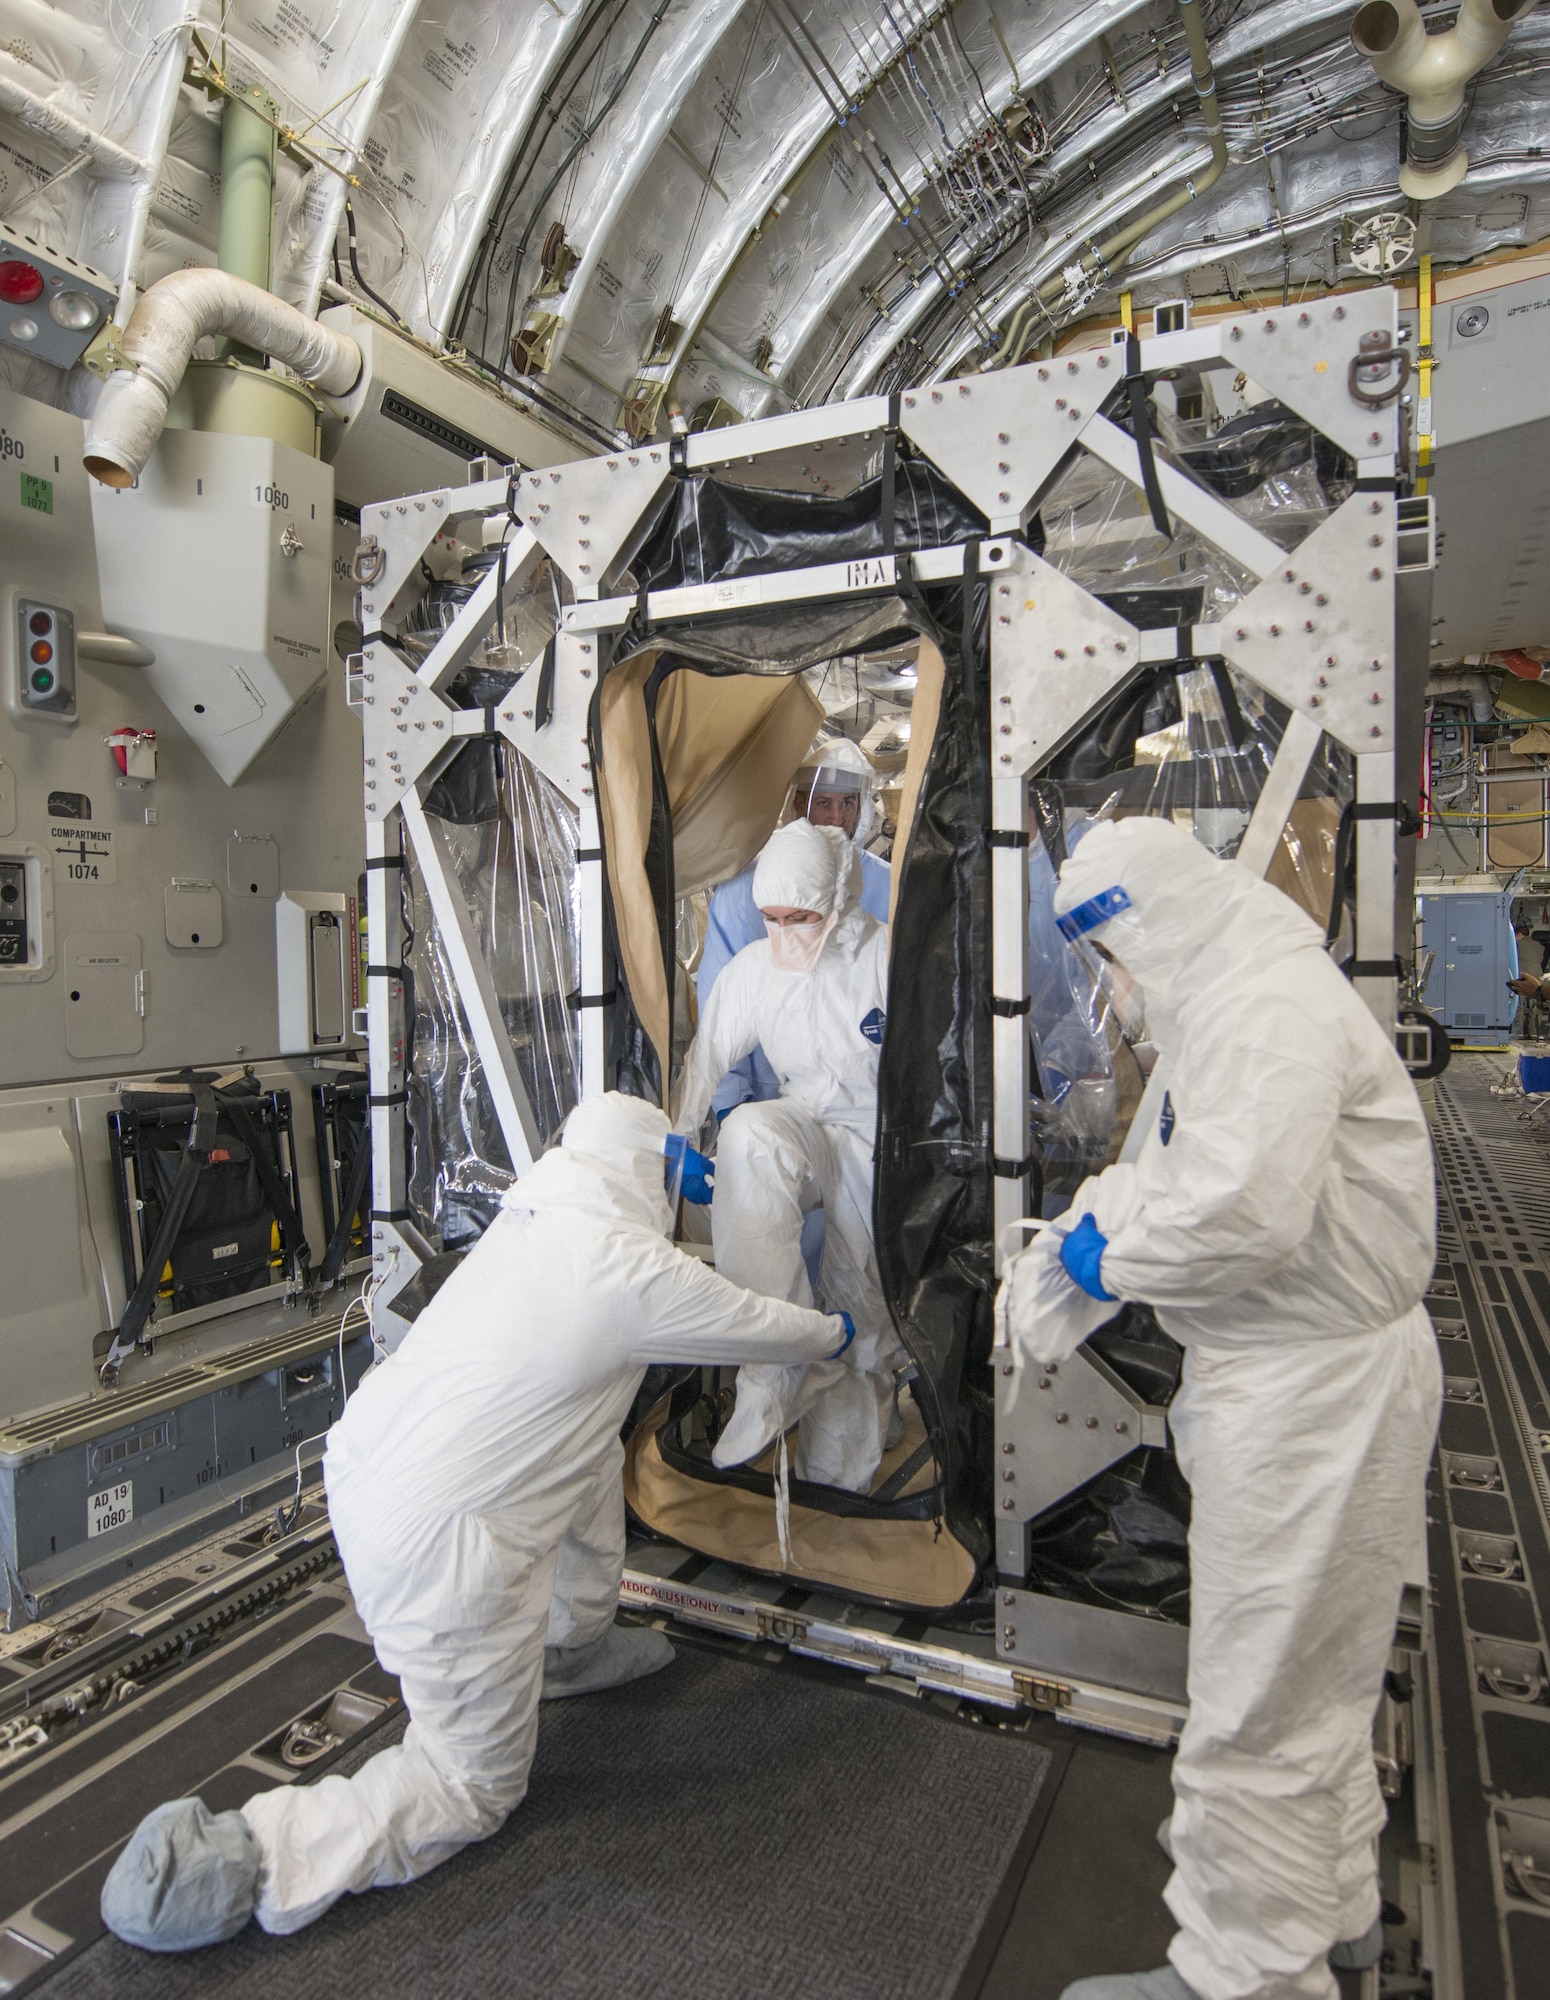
{"x": 474, "y": 1486}
{"x": 833, "y": 788}
{"x": 812, "y": 995}
{"x": 1279, "y": 1219}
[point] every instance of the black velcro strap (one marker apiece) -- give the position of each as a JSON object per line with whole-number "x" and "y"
{"x": 377, "y": 638}
{"x": 543, "y": 697}
{"x": 389, "y": 1097}
{"x": 1404, "y": 817}
{"x": 1009, "y": 1010}
{"x": 593, "y": 999}
{"x": 1007, "y": 836}
{"x": 489, "y": 720}
{"x": 385, "y": 861}
{"x": 896, "y": 1482}
{"x": 392, "y": 1215}
{"x": 1011, "y": 1170}
{"x": 1375, "y": 968}
{"x": 589, "y": 854}
{"x": 1141, "y": 426}
{"x": 886, "y": 495}
{"x": 386, "y": 971}
{"x": 1386, "y": 484}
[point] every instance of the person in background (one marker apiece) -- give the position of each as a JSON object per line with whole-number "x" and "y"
{"x": 833, "y": 788}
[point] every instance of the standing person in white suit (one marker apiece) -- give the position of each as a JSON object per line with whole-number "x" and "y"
{"x": 1279, "y": 1218}
{"x": 811, "y": 993}
{"x": 474, "y": 1485}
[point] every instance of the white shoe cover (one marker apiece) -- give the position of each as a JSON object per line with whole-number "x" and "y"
{"x": 760, "y": 1415}
{"x": 1163, "y": 1984}
{"x": 188, "y": 1877}
{"x": 1356, "y": 1954}
{"x": 624, "y": 1653}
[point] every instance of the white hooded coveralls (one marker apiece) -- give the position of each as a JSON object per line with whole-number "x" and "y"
{"x": 812, "y": 1146}
{"x": 474, "y": 1483}
{"x": 1280, "y": 1219}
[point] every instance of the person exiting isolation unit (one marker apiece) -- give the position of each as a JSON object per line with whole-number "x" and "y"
{"x": 474, "y": 1485}
{"x": 811, "y": 994}
{"x": 833, "y": 788}
{"x": 1279, "y": 1218}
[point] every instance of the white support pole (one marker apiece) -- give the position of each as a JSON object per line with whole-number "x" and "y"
{"x": 1273, "y": 808}
{"x": 1375, "y": 868}
{"x": 1009, "y": 982}
{"x": 475, "y": 987}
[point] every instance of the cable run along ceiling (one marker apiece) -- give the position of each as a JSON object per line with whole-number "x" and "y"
{"x": 764, "y": 203}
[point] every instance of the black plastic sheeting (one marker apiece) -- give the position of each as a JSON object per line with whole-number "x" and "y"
{"x": 711, "y": 531}
{"x": 1121, "y": 1541}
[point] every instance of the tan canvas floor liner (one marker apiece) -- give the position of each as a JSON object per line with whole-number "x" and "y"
{"x": 903, "y": 1562}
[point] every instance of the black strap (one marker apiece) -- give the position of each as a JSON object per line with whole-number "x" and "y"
{"x": 971, "y": 572}
{"x": 386, "y": 971}
{"x": 1405, "y": 817}
{"x": 349, "y": 1208}
{"x": 589, "y": 854}
{"x": 1141, "y": 426}
{"x": 592, "y": 999}
{"x": 890, "y": 474}
{"x": 385, "y": 861}
{"x": 390, "y": 1097}
{"x": 543, "y": 697}
{"x": 896, "y": 1482}
{"x": 1378, "y": 484}
{"x": 392, "y": 1215}
{"x": 500, "y": 581}
{"x": 1012, "y": 1170}
{"x": 1007, "y": 836}
{"x": 1009, "y": 1010}
{"x": 489, "y": 720}
{"x": 196, "y": 1155}
{"x": 257, "y": 1143}
{"x": 1345, "y": 835}
{"x": 1375, "y": 968}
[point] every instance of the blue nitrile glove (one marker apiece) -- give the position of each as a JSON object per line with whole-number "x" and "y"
{"x": 693, "y": 1173}
{"x": 1081, "y": 1252}
{"x": 850, "y": 1334}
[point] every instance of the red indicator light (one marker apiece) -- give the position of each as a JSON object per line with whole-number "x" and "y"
{"x": 42, "y": 652}
{"x": 40, "y": 622}
{"x": 20, "y": 282}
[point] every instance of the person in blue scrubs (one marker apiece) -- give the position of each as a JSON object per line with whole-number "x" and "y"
{"x": 833, "y": 788}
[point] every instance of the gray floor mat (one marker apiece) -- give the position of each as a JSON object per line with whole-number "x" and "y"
{"x": 721, "y": 1829}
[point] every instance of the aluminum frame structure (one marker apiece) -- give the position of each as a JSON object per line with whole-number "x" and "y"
{"x": 1320, "y": 632}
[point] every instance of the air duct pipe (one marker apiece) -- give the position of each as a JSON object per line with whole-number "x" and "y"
{"x": 1098, "y": 260}
{"x": 181, "y": 309}
{"x": 1432, "y": 71}
{"x": 233, "y": 393}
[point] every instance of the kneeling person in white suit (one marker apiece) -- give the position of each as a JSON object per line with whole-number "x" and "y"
{"x": 811, "y": 994}
{"x": 474, "y": 1485}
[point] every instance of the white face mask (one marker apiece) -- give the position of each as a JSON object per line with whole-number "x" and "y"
{"x": 795, "y": 947}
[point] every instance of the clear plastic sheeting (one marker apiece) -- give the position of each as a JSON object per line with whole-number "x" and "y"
{"x": 518, "y": 874}
{"x": 1194, "y": 746}
{"x": 1098, "y": 532}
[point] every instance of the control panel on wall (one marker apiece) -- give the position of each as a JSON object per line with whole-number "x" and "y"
{"x": 40, "y": 670}
{"x": 318, "y": 968}
{"x": 13, "y": 913}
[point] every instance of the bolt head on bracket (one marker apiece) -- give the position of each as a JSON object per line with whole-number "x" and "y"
{"x": 1056, "y": 656}
{"x": 583, "y": 513}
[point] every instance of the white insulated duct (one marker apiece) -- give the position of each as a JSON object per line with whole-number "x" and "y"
{"x": 1432, "y": 71}
{"x": 183, "y": 308}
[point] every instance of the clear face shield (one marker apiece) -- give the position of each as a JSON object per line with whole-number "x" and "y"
{"x": 1104, "y": 959}
{"x": 832, "y": 795}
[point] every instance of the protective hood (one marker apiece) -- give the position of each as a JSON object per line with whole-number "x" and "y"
{"x": 1178, "y": 919}
{"x": 807, "y": 867}
{"x": 608, "y": 1166}
{"x": 835, "y": 764}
